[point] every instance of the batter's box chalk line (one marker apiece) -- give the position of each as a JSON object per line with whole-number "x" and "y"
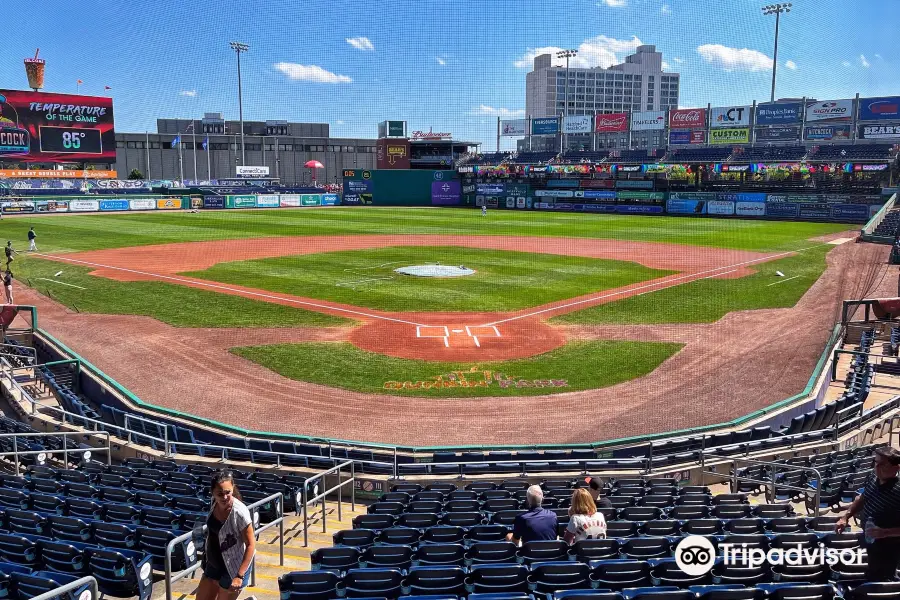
{"x": 445, "y": 332}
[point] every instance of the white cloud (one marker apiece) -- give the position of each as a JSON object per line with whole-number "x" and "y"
{"x": 338, "y": 122}
{"x": 735, "y": 59}
{"x": 790, "y": 65}
{"x": 863, "y": 61}
{"x": 666, "y": 9}
{"x": 361, "y": 43}
{"x": 600, "y": 51}
{"x": 678, "y": 60}
{"x": 310, "y": 73}
{"x": 878, "y": 56}
{"x": 666, "y": 66}
{"x": 440, "y": 60}
{"x": 484, "y": 109}
{"x": 188, "y": 93}
{"x": 612, "y": 3}
{"x": 846, "y": 63}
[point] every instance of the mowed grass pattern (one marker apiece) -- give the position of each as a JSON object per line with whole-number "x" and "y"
{"x": 503, "y": 280}
{"x": 170, "y": 303}
{"x": 57, "y": 233}
{"x": 708, "y": 300}
{"x": 583, "y": 365}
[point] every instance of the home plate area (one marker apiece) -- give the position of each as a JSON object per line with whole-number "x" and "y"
{"x": 458, "y": 335}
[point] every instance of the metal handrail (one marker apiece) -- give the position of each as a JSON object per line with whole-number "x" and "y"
{"x": 306, "y": 500}
{"x": 782, "y": 466}
{"x": 274, "y": 453}
{"x": 16, "y": 453}
{"x": 68, "y": 587}
{"x": 171, "y": 578}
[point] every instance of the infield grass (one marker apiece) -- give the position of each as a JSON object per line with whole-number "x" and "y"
{"x": 708, "y": 300}
{"x": 503, "y": 280}
{"x": 582, "y": 365}
{"x": 176, "y": 305}
{"x": 58, "y": 233}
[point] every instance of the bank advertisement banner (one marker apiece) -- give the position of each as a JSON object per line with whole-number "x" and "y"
{"x": 688, "y": 118}
{"x": 827, "y": 132}
{"x": 687, "y": 137}
{"x": 310, "y": 199}
{"x": 513, "y": 127}
{"x": 241, "y": 201}
{"x": 490, "y": 189}
{"x": 730, "y": 116}
{"x": 213, "y": 201}
{"x": 267, "y": 200}
{"x": 850, "y": 212}
{"x": 577, "y": 124}
{"x": 611, "y": 123}
{"x": 358, "y": 191}
{"x": 778, "y": 134}
{"x": 648, "y": 120}
{"x": 142, "y": 204}
{"x": 84, "y": 205}
{"x": 113, "y": 205}
{"x": 829, "y": 110}
{"x": 750, "y": 209}
{"x": 720, "y": 207}
{"x": 780, "y": 113}
{"x": 289, "y": 200}
{"x": 782, "y": 209}
{"x": 545, "y": 126}
{"x": 686, "y": 207}
{"x": 879, "y": 132}
{"x": 735, "y": 135}
{"x": 331, "y": 199}
{"x": 885, "y": 108}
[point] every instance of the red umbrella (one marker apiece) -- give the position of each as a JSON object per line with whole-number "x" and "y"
{"x": 314, "y": 164}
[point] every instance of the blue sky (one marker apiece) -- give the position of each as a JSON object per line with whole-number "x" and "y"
{"x": 447, "y": 65}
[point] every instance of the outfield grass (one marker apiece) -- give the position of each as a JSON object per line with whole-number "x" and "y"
{"x": 504, "y": 280}
{"x": 170, "y": 303}
{"x": 708, "y": 300}
{"x": 581, "y": 365}
{"x": 89, "y": 232}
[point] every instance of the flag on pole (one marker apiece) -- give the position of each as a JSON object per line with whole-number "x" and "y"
{"x": 205, "y": 143}
{"x": 106, "y": 87}
{"x": 176, "y": 141}
{"x": 80, "y": 82}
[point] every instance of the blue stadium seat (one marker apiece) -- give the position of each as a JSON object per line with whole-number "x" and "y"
{"x": 550, "y": 577}
{"x": 492, "y": 552}
{"x": 387, "y": 557}
{"x": 357, "y": 538}
{"x": 620, "y": 574}
{"x": 309, "y": 585}
{"x": 369, "y": 583}
{"x": 429, "y": 580}
{"x": 335, "y": 559}
{"x": 440, "y": 554}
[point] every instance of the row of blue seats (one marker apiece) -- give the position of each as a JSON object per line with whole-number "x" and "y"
{"x": 18, "y": 582}
{"x": 42, "y": 523}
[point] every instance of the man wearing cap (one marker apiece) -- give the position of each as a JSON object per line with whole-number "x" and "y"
{"x": 880, "y": 503}
{"x": 595, "y": 487}
{"x": 536, "y": 523}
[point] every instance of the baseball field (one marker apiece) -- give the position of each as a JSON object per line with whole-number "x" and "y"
{"x": 304, "y": 309}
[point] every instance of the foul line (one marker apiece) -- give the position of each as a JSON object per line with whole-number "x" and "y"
{"x": 60, "y": 282}
{"x": 236, "y": 291}
{"x": 680, "y": 279}
{"x": 783, "y": 280}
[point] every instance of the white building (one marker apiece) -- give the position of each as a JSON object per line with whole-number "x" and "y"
{"x": 638, "y": 84}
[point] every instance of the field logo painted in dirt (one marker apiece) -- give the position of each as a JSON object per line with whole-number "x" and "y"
{"x": 473, "y": 378}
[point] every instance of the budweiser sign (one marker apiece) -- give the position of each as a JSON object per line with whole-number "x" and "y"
{"x": 611, "y": 123}
{"x": 430, "y": 135}
{"x": 687, "y": 118}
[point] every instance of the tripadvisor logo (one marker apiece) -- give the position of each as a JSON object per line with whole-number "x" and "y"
{"x": 696, "y": 555}
{"x": 475, "y": 378}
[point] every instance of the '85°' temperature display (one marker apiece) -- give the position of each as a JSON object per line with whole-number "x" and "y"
{"x": 70, "y": 140}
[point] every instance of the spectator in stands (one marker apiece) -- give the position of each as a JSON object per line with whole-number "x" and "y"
{"x": 595, "y": 489}
{"x": 880, "y": 504}
{"x": 7, "y": 286}
{"x": 585, "y": 522}
{"x": 230, "y": 542}
{"x": 536, "y": 523}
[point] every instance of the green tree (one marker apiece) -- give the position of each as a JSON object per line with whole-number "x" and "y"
{"x": 135, "y": 174}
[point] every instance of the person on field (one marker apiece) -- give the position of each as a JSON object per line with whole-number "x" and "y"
{"x": 483, "y": 210}
{"x": 9, "y": 253}
{"x": 878, "y": 507}
{"x": 32, "y": 246}
{"x": 535, "y": 523}
{"x": 7, "y": 286}
{"x": 585, "y": 521}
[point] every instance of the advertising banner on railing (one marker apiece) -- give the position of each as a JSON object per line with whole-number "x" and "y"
{"x": 289, "y": 200}
{"x": 735, "y": 135}
{"x": 170, "y": 203}
{"x": 815, "y": 210}
{"x": 84, "y": 205}
{"x": 490, "y": 189}
{"x": 51, "y": 206}
{"x": 598, "y": 183}
{"x": 778, "y": 134}
{"x": 648, "y": 120}
{"x": 642, "y": 209}
{"x": 577, "y": 124}
{"x": 886, "y": 108}
{"x": 22, "y": 206}
{"x": 113, "y": 205}
{"x": 310, "y": 199}
{"x": 720, "y": 207}
{"x": 599, "y": 194}
{"x": 730, "y": 116}
{"x": 611, "y": 123}
{"x": 879, "y": 132}
{"x": 827, "y": 132}
{"x": 267, "y": 200}
{"x": 686, "y": 207}
{"x": 513, "y": 127}
{"x": 562, "y": 183}
{"x": 779, "y": 113}
{"x": 850, "y": 212}
{"x": 554, "y": 193}
{"x": 142, "y": 204}
{"x": 782, "y": 209}
{"x": 330, "y": 199}
{"x": 687, "y": 137}
{"x": 829, "y": 110}
{"x": 688, "y": 118}
{"x": 545, "y": 126}
{"x": 652, "y": 196}
{"x": 749, "y": 209}
{"x": 213, "y": 201}
{"x": 446, "y": 193}
{"x": 692, "y": 196}
{"x": 240, "y": 201}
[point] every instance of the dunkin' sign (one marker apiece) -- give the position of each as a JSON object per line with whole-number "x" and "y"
{"x": 611, "y": 123}
{"x": 687, "y": 118}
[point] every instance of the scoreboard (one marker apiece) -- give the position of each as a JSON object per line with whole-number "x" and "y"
{"x": 68, "y": 140}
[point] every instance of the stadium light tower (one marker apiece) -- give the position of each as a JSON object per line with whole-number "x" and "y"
{"x": 567, "y": 54}
{"x": 239, "y": 47}
{"x": 777, "y": 10}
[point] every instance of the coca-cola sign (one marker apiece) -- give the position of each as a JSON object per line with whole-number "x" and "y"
{"x": 611, "y": 123}
{"x": 687, "y": 118}
{"x": 429, "y": 135}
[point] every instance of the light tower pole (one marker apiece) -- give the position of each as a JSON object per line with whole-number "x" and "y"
{"x": 567, "y": 54}
{"x": 777, "y": 10}
{"x": 239, "y": 47}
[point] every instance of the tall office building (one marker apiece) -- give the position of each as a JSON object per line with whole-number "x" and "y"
{"x": 638, "y": 84}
